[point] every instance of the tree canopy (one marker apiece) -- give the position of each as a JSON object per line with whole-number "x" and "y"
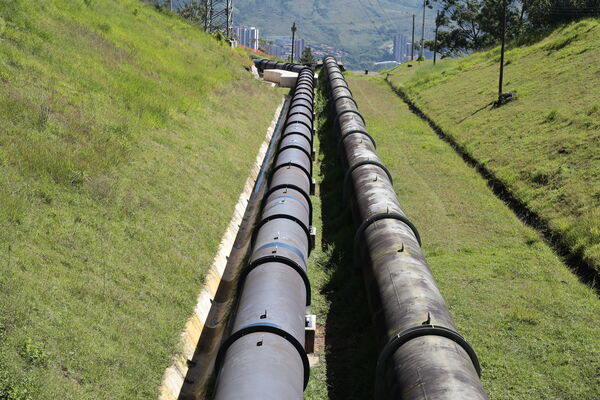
{"x": 307, "y": 57}
{"x": 471, "y": 25}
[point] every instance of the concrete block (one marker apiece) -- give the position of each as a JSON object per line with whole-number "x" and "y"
{"x": 310, "y": 333}
{"x": 282, "y": 78}
{"x": 272, "y": 75}
{"x": 288, "y": 79}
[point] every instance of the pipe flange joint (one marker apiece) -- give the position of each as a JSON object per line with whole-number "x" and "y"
{"x": 411, "y": 333}
{"x": 283, "y": 260}
{"x": 338, "y": 115}
{"x": 354, "y": 132}
{"x": 378, "y": 217}
{"x": 267, "y": 328}
{"x": 297, "y": 189}
{"x": 360, "y": 164}
{"x": 292, "y": 218}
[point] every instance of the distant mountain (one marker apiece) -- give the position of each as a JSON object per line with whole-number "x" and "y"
{"x": 362, "y": 28}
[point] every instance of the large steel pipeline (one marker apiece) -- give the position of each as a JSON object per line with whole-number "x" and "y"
{"x": 422, "y": 356}
{"x": 261, "y": 65}
{"x": 264, "y": 357}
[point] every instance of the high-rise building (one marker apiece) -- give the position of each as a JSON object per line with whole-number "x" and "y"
{"x": 275, "y": 51}
{"x": 285, "y": 44}
{"x": 247, "y": 36}
{"x": 400, "y": 48}
{"x": 254, "y": 36}
{"x": 298, "y": 49}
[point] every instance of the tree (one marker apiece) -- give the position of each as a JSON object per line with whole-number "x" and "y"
{"x": 307, "y": 57}
{"x": 263, "y": 45}
{"x": 547, "y": 13}
{"x": 194, "y": 12}
{"x": 472, "y": 25}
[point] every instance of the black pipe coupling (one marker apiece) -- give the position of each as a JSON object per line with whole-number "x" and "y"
{"x": 412, "y": 333}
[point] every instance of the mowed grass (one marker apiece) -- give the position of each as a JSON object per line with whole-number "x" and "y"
{"x": 126, "y": 137}
{"x": 545, "y": 146}
{"x": 533, "y": 324}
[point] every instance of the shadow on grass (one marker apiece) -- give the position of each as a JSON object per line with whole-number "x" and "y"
{"x": 349, "y": 337}
{"x": 490, "y": 104}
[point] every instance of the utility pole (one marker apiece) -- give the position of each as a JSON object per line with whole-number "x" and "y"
{"x": 219, "y": 14}
{"x": 293, "y": 41}
{"x": 171, "y": 4}
{"x": 437, "y": 24}
{"x": 206, "y": 16}
{"x": 412, "y": 43}
{"x": 500, "y": 89}
{"x": 421, "y": 51}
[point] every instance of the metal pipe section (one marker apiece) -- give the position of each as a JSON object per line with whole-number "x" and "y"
{"x": 422, "y": 356}
{"x": 264, "y": 357}
{"x": 261, "y": 65}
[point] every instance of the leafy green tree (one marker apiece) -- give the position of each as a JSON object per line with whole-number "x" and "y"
{"x": 472, "y": 25}
{"x": 263, "y": 45}
{"x": 547, "y": 13}
{"x": 307, "y": 57}
{"x": 194, "y": 12}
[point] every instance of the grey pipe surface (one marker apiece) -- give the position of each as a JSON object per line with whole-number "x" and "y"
{"x": 264, "y": 356}
{"x": 422, "y": 356}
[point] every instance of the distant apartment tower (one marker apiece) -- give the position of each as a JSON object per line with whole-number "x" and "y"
{"x": 400, "y": 47}
{"x": 283, "y": 46}
{"x": 275, "y": 51}
{"x": 254, "y": 36}
{"x": 298, "y": 49}
{"x": 247, "y": 36}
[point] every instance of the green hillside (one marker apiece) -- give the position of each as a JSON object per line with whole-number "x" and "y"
{"x": 361, "y": 28}
{"x": 126, "y": 136}
{"x": 545, "y": 146}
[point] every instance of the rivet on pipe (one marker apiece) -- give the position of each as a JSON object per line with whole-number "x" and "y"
{"x": 428, "y": 322}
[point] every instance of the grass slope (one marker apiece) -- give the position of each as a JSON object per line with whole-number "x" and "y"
{"x": 533, "y": 324}
{"x": 359, "y": 27}
{"x": 125, "y": 139}
{"x": 545, "y": 147}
